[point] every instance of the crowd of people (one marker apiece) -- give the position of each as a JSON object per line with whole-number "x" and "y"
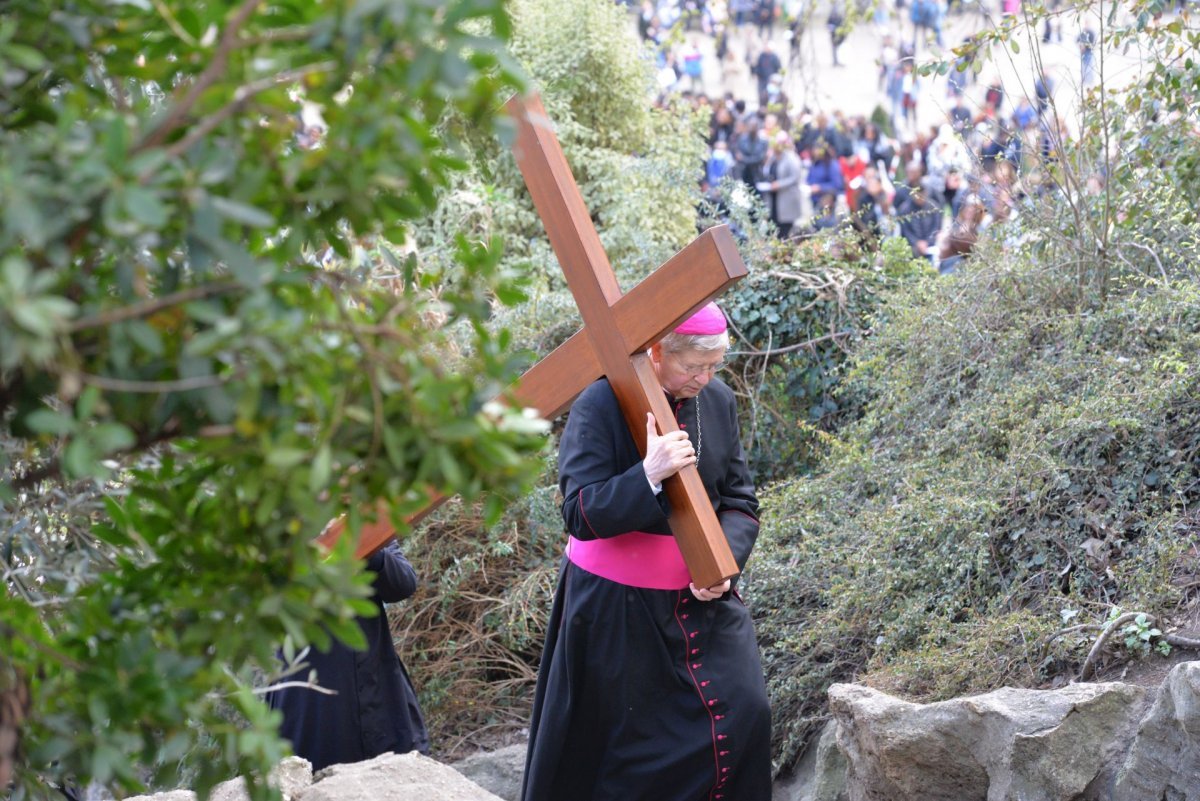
{"x": 938, "y": 184}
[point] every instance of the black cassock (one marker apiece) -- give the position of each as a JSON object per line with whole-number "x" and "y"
{"x": 648, "y": 694}
{"x": 374, "y": 709}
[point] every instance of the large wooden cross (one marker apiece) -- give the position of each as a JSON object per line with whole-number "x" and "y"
{"x": 618, "y": 330}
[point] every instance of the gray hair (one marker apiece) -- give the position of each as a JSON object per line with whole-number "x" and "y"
{"x": 677, "y": 343}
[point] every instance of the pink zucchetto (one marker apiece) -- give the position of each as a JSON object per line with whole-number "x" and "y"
{"x": 709, "y": 320}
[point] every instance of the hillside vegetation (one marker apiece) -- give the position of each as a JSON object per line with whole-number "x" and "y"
{"x": 1027, "y": 469}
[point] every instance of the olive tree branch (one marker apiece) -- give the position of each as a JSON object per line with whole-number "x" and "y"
{"x": 152, "y": 306}
{"x": 41, "y": 647}
{"x": 283, "y": 685}
{"x": 241, "y": 97}
{"x": 153, "y": 387}
{"x": 216, "y": 67}
{"x": 295, "y": 33}
{"x": 53, "y": 467}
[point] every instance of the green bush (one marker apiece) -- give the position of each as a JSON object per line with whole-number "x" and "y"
{"x": 1022, "y": 455}
{"x": 472, "y": 636}
{"x": 637, "y": 165}
{"x": 185, "y": 398}
{"x": 796, "y": 320}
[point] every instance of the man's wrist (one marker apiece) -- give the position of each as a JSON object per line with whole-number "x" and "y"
{"x": 654, "y": 487}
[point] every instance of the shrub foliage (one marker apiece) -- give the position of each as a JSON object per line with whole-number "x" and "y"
{"x": 185, "y": 397}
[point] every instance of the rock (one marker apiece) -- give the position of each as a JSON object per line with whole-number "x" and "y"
{"x": 232, "y": 790}
{"x": 497, "y": 771}
{"x": 820, "y": 774}
{"x": 1007, "y": 745}
{"x": 1164, "y": 761}
{"x": 291, "y": 775}
{"x": 392, "y": 777}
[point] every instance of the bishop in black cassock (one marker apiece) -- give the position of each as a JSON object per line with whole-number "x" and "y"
{"x": 651, "y": 689}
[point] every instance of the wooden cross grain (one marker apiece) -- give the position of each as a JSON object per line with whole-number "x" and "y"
{"x": 618, "y": 330}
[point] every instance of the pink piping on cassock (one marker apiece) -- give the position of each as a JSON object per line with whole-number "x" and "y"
{"x": 583, "y": 512}
{"x": 687, "y": 660}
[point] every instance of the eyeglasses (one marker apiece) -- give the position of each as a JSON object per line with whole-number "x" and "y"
{"x": 697, "y": 370}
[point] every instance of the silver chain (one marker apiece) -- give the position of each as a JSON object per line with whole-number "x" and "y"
{"x": 699, "y": 432}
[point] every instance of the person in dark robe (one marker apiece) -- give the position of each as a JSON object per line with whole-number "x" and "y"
{"x": 650, "y": 688}
{"x": 373, "y": 708}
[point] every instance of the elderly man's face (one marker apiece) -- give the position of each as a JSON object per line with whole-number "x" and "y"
{"x": 686, "y": 372}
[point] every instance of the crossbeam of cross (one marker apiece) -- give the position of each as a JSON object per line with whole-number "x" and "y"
{"x": 617, "y": 331}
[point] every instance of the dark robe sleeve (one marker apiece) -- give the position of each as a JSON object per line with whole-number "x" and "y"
{"x": 395, "y": 578}
{"x": 604, "y": 487}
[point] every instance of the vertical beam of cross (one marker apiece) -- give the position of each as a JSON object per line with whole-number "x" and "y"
{"x": 594, "y": 286}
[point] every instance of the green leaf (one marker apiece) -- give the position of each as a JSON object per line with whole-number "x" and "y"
{"x": 145, "y": 206}
{"x": 285, "y": 458}
{"x": 350, "y": 633}
{"x": 79, "y": 460}
{"x": 393, "y": 440}
{"x": 25, "y": 57}
{"x": 271, "y": 606}
{"x": 55, "y": 748}
{"x": 220, "y": 406}
{"x": 190, "y": 22}
{"x": 493, "y": 509}
{"x": 106, "y": 761}
{"x": 47, "y": 421}
{"x": 451, "y": 469}
{"x": 116, "y": 142}
{"x": 146, "y": 337}
{"x": 43, "y": 316}
{"x": 86, "y": 403}
{"x": 453, "y": 70}
{"x": 242, "y": 213}
{"x": 322, "y": 468}
{"x": 110, "y": 437}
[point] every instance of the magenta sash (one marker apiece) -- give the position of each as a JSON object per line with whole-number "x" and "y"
{"x": 635, "y": 559}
